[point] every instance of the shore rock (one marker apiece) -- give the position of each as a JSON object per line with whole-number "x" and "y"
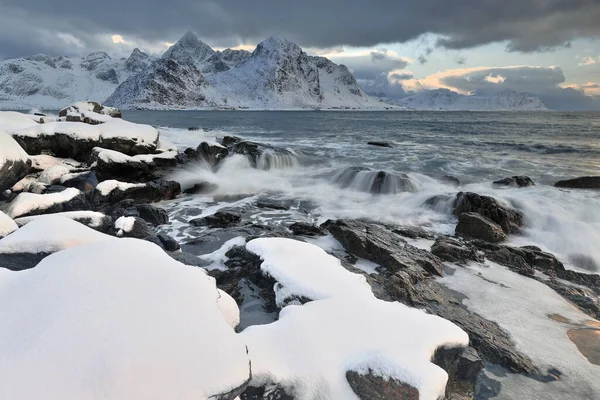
{"x": 110, "y": 164}
{"x": 516, "y": 181}
{"x": 450, "y": 180}
{"x": 211, "y": 153}
{"x": 303, "y": 229}
{"x": 584, "y": 182}
{"x": 260, "y": 155}
{"x": 112, "y": 192}
{"x": 28, "y": 204}
{"x": 369, "y": 387}
{"x": 454, "y": 250}
{"x": 379, "y": 182}
{"x": 85, "y": 182}
{"x": 14, "y": 162}
{"x": 509, "y": 220}
{"x": 81, "y": 107}
{"x": 380, "y": 144}
{"x": 377, "y": 244}
{"x": 220, "y": 219}
{"x": 473, "y": 225}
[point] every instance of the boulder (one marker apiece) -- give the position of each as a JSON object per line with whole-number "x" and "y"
{"x": 211, "y": 153}
{"x": 111, "y": 192}
{"x": 91, "y": 219}
{"x": 474, "y": 226}
{"x": 28, "y": 204}
{"x": 584, "y": 182}
{"x": 509, "y": 220}
{"x": 85, "y": 181}
{"x": 110, "y": 164}
{"x": 380, "y": 144}
{"x": 261, "y": 156}
{"x": 381, "y": 246}
{"x": 7, "y": 225}
{"x": 454, "y": 250}
{"x": 168, "y": 242}
{"x": 516, "y": 181}
{"x": 450, "y": 180}
{"x": 14, "y": 162}
{"x": 370, "y": 387}
{"x": 153, "y": 215}
{"x": 201, "y": 188}
{"x": 220, "y": 219}
{"x": 378, "y": 182}
{"x": 94, "y": 107}
{"x": 304, "y": 229}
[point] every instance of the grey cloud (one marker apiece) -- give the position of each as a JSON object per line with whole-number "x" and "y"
{"x": 526, "y": 25}
{"x": 401, "y": 76}
{"x": 542, "y": 82}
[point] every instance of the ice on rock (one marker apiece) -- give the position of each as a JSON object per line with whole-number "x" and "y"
{"x": 117, "y": 320}
{"x": 345, "y": 328}
{"x": 25, "y": 203}
{"x": 49, "y": 234}
{"x": 7, "y": 225}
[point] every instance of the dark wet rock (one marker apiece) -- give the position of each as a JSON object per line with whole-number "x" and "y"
{"x": 272, "y": 204}
{"x": 370, "y": 387}
{"x": 265, "y": 392}
{"x": 584, "y": 182}
{"x": 261, "y": 155}
{"x": 140, "y": 230}
{"x": 450, "y": 180}
{"x": 188, "y": 259}
{"x": 211, "y": 153}
{"x": 304, "y": 229}
{"x": 21, "y": 261}
{"x": 381, "y": 246}
{"x": 469, "y": 365}
{"x": 378, "y": 182}
{"x": 12, "y": 171}
{"x": 64, "y": 143}
{"x": 54, "y": 189}
{"x": 168, "y": 242}
{"x": 130, "y": 170}
{"x": 152, "y": 215}
{"x": 411, "y": 232}
{"x": 201, "y": 188}
{"x": 150, "y": 192}
{"x": 455, "y": 250}
{"x": 509, "y": 220}
{"x": 475, "y": 226}
{"x": 380, "y": 144}
{"x": 440, "y": 202}
{"x": 86, "y": 183}
{"x": 516, "y": 181}
{"x": 220, "y": 219}
{"x": 585, "y": 299}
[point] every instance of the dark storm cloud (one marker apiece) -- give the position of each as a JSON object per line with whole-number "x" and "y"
{"x": 527, "y": 25}
{"x": 542, "y": 82}
{"x": 401, "y": 76}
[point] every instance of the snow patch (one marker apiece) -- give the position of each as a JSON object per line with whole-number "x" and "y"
{"x": 10, "y": 150}
{"x": 217, "y": 258}
{"x": 53, "y": 174}
{"x": 25, "y": 203}
{"x": 96, "y": 219}
{"x": 124, "y": 225}
{"x": 106, "y": 187}
{"x": 7, "y": 225}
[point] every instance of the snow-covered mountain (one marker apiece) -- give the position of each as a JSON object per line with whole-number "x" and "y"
{"x": 444, "y": 99}
{"x": 53, "y": 82}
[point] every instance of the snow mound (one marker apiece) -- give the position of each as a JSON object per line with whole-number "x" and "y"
{"x": 7, "y": 225}
{"x": 49, "y": 234}
{"x": 10, "y": 150}
{"x": 15, "y": 120}
{"x": 124, "y": 225}
{"x": 229, "y": 308}
{"x": 311, "y": 347}
{"x": 96, "y": 219}
{"x": 305, "y": 270}
{"x": 116, "y": 320}
{"x": 25, "y": 203}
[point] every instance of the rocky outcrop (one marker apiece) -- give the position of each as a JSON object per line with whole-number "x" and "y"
{"x": 584, "y": 182}
{"x": 378, "y": 182}
{"x": 381, "y": 246}
{"x": 210, "y": 153}
{"x": 14, "y": 162}
{"x": 261, "y": 156}
{"x": 454, "y": 250}
{"x": 220, "y": 219}
{"x": 110, "y": 164}
{"x": 80, "y": 112}
{"x": 509, "y": 220}
{"x": 515, "y": 181}
{"x": 150, "y": 192}
{"x": 369, "y": 386}
{"x": 473, "y": 225}
{"x": 303, "y": 229}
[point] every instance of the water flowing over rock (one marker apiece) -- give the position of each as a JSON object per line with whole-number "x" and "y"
{"x": 516, "y": 181}
{"x": 261, "y": 156}
{"x": 365, "y": 180}
{"x": 473, "y": 225}
{"x": 510, "y": 220}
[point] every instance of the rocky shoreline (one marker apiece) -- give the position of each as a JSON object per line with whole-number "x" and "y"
{"x": 91, "y": 177}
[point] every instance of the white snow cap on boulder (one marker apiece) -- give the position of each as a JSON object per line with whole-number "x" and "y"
{"x": 10, "y": 150}
{"x": 309, "y": 350}
{"x": 15, "y": 120}
{"x": 26, "y": 203}
{"x": 7, "y": 225}
{"x": 117, "y": 320}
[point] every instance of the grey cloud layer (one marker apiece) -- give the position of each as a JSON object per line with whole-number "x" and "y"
{"x": 526, "y": 24}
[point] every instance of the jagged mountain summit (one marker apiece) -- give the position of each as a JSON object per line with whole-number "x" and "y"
{"x": 447, "y": 100}
{"x": 278, "y": 74}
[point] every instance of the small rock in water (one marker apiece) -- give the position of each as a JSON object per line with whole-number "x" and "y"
{"x": 168, "y": 242}
{"x": 380, "y": 144}
{"x": 517, "y": 181}
{"x": 201, "y": 188}
{"x": 510, "y": 220}
{"x": 473, "y": 225}
{"x": 304, "y": 229}
{"x": 220, "y": 219}
{"x": 584, "y": 182}
{"x": 450, "y": 180}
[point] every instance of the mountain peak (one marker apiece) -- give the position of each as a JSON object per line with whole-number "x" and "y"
{"x": 275, "y": 46}
{"x": 189, "y": 50}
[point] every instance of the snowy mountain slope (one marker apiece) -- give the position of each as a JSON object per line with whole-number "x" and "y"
{"x": 444, "y": 99}
{"x": 166, "y": 84}
{"x": 53, "y": 82}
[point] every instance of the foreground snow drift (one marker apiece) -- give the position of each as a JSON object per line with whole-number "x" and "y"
{"x": 311, "y": 348}
{"x": 115, "y": 320}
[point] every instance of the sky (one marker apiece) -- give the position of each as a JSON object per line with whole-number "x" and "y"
{"x": 550, "y": 48}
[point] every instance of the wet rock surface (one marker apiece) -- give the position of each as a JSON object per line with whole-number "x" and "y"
{"x": 509, "y": 220}
{"x": 584, "y": 182}
{"x": 515, "y": 181}
{"x": 473, "y": 225}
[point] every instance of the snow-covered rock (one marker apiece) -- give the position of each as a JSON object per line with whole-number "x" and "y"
{"x": 27, "y": 204}
{"x": 89, "y": 112}
{"x": 112, "y": 191}
{"x": 137, "y": 61}
{"x": 7, "y": 225}
{"x": 53, "y": 174}
{"x": 311, "y": 348}
{"x": 15, "y": 120}
{"x": 76, "y": 140}
{"x": 118, "y": 319}
{"x": 91, "y": 219}
{"x": 14, "y": 162}
{"x": 444, "y": 99}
